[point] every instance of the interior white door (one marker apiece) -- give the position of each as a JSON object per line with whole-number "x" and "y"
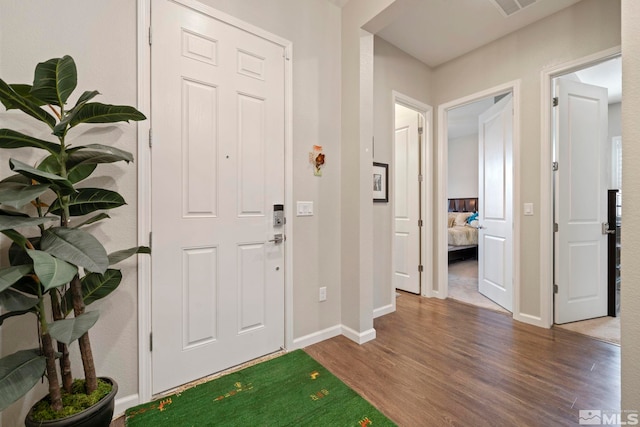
{"x": 217, "y": 170}
{"x": 407, "y": 201}
{"x": 495, "y": 203}
{"x": 581, "y": 201}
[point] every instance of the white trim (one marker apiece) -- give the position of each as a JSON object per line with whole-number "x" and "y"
{"x": 546, "y": 181}
{"x": 316, "y": 337}
{"x": 427, "y": 193}
{"x": 441, "y": 215}
{"x": 384, "y": 310}
{"x": 144, "y": 179}
{"x": 359, "y": 337}
{"x": 124, "y": 403}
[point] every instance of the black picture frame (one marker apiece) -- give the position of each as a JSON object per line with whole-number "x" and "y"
{"x": 380, "y": 182}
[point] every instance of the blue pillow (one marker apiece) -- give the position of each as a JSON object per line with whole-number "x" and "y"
{"x": 472, "y": 217}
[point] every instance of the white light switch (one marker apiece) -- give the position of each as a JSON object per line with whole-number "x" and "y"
{"x": 528, "y": 209}
{"x": 304, "y": 208}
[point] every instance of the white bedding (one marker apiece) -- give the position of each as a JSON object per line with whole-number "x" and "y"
{"x": 460, "y": 233}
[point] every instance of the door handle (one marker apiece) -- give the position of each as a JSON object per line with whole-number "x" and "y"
{"x": 606, "y": 229}
{"x": 278, "y": 238}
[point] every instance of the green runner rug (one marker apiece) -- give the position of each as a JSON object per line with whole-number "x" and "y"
{"x": 290, "y": 390}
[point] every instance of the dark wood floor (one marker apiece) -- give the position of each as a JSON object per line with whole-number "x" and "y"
{"x": 445, "y": 363}
{"x": 440, "y": 363}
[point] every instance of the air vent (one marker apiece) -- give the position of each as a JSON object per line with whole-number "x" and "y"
{"x": 509, "y": 7}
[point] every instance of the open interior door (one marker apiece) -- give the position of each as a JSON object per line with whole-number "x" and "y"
{"x": 581, "y": 201}
{"x": 495, "y": 201}
{"x": 406, "y": 258}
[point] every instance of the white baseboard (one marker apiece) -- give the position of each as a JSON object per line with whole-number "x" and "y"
{"x": 359, "y": 337}
{"x": 125, "y": 403}
{"x": 316, "y": 337}
{"x": 531, "y": 320}
{"x": 381, "y": 311}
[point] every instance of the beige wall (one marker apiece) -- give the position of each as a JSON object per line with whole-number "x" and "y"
{"x": 394, "y": 70}
{"x": 630, "y": 322}
{"x": 585, "y": 28}
{"x": 462, "y": 175}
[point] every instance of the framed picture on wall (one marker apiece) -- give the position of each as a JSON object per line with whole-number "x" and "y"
{"x": 380, "y": 182}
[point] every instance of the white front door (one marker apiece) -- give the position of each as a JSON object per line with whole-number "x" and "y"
{"x": 581, "y": 201}
{"x": 495, "y": 203}
{"x": 407, "y": 201}
{"x": 217, "y": 171}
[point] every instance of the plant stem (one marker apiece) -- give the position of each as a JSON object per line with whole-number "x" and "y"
{"x": 65, "y": 361}
{"x": 50, "y": 357}
{"x": 91, "y": 381}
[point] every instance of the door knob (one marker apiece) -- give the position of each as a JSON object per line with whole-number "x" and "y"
{"x": 278, "y": 238}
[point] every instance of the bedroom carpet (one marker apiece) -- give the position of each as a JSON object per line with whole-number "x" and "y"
{"x": 463, "y": 285}
{"x": 290, "y": 390}
{"x": 603, "y": 328}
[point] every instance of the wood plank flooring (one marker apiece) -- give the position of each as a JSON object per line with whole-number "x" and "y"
{"x": 441, "y": 363}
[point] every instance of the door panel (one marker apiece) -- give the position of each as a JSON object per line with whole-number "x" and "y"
{"x": 495, "y": 201}
{"x": 406, "y": 201}
{"x": 217, "y": 171}
{"x": 581, "y": 205}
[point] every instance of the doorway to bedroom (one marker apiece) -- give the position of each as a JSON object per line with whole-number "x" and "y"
{"x": 479, "y": 202}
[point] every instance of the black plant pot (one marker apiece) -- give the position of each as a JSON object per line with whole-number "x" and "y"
{"x": 99, "y": 415}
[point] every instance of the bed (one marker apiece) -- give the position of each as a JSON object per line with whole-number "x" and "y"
{"x": 462, "y": 235}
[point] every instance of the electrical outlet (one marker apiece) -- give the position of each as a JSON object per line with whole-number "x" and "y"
{"x": 322, "y": 296}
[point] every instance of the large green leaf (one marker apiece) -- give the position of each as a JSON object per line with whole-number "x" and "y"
{"x": 88, "y": 200}
{"x": 61, "y": 184}
{"x": 55, "y": 80}
{"x": 19, "y": 372}
{"x": 25, "y": 91}
{"x": 82, "y": 158}
{"x": 116, "y": 257}
{"x": 62, "y": 127}
{"x": 9, "y": 222}
{"x": 16, "y": 194}
{"x": 50, "y": 164}
{"x": 68, "y": 330}
{"x": 12, "y": 100}
{"x": 103, "y": 149}
{"x": 9, "y": 314}
{"x": 51, "y": 271}
{"x": 10, "y": 275}
{"x": 13, "y": 139}
{"x": 17, "y": 178}
{"x": 27, "y": 285}
{"x": 77, "y": 247}
{"x": 95, "y": 286}
{"x": 92, "y": 220}
{"x": 17, "y": 250}
{"x": 96, "y": 112}
{"x": 14, "y": 301}
{"x": 17, "y": 238}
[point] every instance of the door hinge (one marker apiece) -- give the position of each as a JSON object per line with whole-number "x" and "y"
{"x": 555, "y": 227}
{"x": 150, "y": 137}
{"x": 150, "y": 41}
{"x": 555, "y": 101}
{"x": 420, "y": 223}
{"x": 150, "y": 341}
{"x": 555, "y": 289}
{"x": 555, "y": 166}
{"x": 150, "y": 238}
{"x": 420, "y": 178}
{"x": 420, "y": 130}
{"x": 420, "y": 268}
{"x": 286, "y": 54}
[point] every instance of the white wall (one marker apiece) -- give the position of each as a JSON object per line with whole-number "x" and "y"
{"x": 32, "y": 31}
{"x": 585, "y": 28}
{"x": 630, "y": 318}
{"x": 462, "y": 173}
{"x": 393, "y": 70}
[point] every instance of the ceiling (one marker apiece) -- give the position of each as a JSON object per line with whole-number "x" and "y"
{"x": 437, "y": 31}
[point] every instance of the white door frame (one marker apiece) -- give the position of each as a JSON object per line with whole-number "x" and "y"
{"x": 144, "y": 181}
{"x": 442, "y": 290}
{"x": 426, "y": 193}
{"x": 546, "y": 174}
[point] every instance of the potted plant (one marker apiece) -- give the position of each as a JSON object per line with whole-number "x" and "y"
{"x": 56, "y": 266}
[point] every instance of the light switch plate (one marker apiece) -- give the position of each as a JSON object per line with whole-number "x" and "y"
{"x": 304, "y": 208}
{"x": 528, "y": 209}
